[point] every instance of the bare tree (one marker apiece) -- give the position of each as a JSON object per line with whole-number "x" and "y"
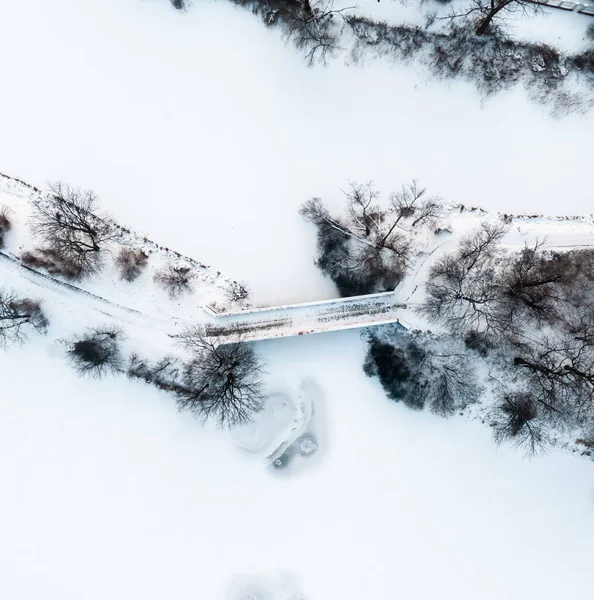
{"x": 560, "y": 374}
{"x": 533, "y": 283}
{"x": 179, "y": 4}
{"x": 412, "y": 203}
{"x": 131, "y": 262}
{"x": 515, "y": 419}
{"x": 313, "y": 29}
{"x": 462, "y": 288}
{"x": 17, "y": 315}
{"x": 175, "y": 279}
{"x": 97, "y": 352}
{"x": 68, "y": 222}
{"x": 452, "y": 382}
{"x": 5, "y": 224}
{"x": 221, "y": 382}
{"x": 483, "y": 15}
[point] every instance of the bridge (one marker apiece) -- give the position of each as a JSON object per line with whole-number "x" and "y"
{"x": 256, "y": 324}
{"x": 585, "y": 7}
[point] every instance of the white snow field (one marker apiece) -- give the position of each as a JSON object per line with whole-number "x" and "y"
{"x": 205, "y": 132}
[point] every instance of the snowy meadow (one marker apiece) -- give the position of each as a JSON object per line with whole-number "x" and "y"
{"x": 204, "y": 131}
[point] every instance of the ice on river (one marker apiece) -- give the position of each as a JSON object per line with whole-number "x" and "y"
{"x": 289, "y": 434}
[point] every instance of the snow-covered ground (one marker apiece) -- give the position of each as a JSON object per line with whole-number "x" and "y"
{"x": 203, "y": 131}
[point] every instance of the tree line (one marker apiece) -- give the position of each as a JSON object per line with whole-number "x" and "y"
{"x": 472, "y": 44}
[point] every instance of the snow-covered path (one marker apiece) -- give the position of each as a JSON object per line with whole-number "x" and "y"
{"x": 303, "y": 319}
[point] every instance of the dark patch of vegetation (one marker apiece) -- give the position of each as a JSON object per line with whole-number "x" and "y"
{"x": 420, "y": 370}
{"x": 515, "y": 420}
{"x": 368, "y": 250}
{"x": 96, "y": 353}
{"x": 5, "y": 224}
{"x": 314, "y": 28}
{"x": 473, "y": 46}
{"x": 53, "y": 262}
{"x": 220, "y": 382}
{"x": 17, "y": 315}
{"x": 176, "y": 280}
{"x": 131, "y": 262}
{"x": 237, "y": 292}
{"x": 531, "y": 315}
{"x": 492, "y": 62}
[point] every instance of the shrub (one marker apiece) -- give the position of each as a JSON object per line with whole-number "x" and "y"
{"x": 53, "y": 262}
{"x": 237, "y": 292}
{"x": 164, "y": 374}
{"x": 131, "y": 262}
{"x": 16, "y": 314}
{"x": 516, "y": 419}
{"x": 97, "y": 352}
{"x": 481, "y": 343}
{"x": 176, "y": 280}
{"x": 5, "y": 224}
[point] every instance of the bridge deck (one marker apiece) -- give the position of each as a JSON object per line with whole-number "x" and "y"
{"x": 347, "y": 313}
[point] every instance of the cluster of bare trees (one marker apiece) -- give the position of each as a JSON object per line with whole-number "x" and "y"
{"x": 473, "y": 46}
{"x": 532, "y": 312}
{"x": 368, "y": 250}
{"x": 219, "y": 382}
{"x": 422, "y": 370}
{"x": 76, "y": 237}
{"x": 314, "y": 27}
